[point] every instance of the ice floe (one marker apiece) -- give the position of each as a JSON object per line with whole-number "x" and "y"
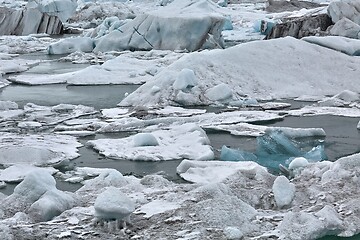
{"x": 39, "y": 150}
{"x": 186, "y": 141}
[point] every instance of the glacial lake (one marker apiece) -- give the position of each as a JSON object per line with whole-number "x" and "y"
{"x": 342, "y": 137}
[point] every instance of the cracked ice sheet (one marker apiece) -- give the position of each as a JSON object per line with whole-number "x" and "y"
{"x": 38, "y": 150}
{"x": 245, "y": 129}
{"x": 56, "y": 114}
{"x": 206, "y": 120}
{"x": 214, "y": 171}
{"x": 187, "y": 141}
{"x": 335, "y": 111}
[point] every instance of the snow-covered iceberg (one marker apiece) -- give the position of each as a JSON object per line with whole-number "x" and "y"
{"x": 245, "y": 69}
{"x": 189, "y": 24}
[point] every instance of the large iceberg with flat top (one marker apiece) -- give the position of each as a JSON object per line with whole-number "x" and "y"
{"x": 189, "y": 25}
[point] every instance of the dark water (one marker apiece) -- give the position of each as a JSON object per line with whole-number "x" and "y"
{"x": 103, "y": 96}
{"x": 342, "y": 136}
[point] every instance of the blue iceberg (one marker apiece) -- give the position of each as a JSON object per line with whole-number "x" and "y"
{"x": 228, "y": 154}
{"x": 274, "y": 148}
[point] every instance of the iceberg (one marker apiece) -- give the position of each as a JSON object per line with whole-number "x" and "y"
{"x": 71, "y": 45}
{"x": 274, "y": 148}
{"x": 186, "y": 141}
{"x": 113, "y": 204}
{"x": 28, "y": 21}
{"x": 349, "y": 9}
{"x": 179, "y": 25}
{"x": 276, "y": 145}
{"x": 63, "y": 9}
{"x": 228, "y": 154}
{"x": 247, "y": 79}
{"x": 37, "y": 194}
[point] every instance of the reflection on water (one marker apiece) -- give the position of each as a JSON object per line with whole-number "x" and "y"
{"x": 342, "y": 136}
{"x": 103, "y": 96}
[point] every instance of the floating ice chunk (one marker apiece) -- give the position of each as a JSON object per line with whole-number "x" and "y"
{"x": 284, "y": 191}
{"x": 113, "y": 204}
{"x": 233, "y": 233}
{"x": 40, "y": 150}
{"x": 185, "y": 80}
{"x": 316, "y": 154}
{"x": 187, "y": 141}
{"x": 144, "y": 139}
{"x": 276, "y": 143}
{"x": 8, "y": 105}
{"x": 358, "y": 125}
{"x": 219, "y": 92}
{"x": 70, "y": 45}
{"x": 18, "y": 172}
{"x": 228, "y": 154}
{"x": 335, "y": 111}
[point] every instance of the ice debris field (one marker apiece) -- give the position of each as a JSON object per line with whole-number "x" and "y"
{"x": 180, "y": 119}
